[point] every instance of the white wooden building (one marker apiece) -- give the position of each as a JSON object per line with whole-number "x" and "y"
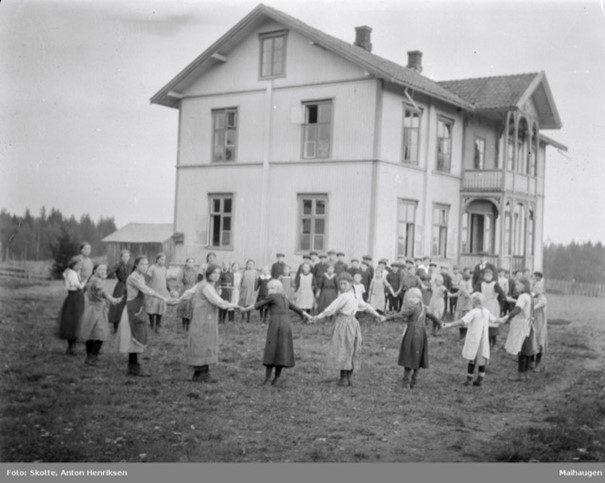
{"x": 292, "y": 140}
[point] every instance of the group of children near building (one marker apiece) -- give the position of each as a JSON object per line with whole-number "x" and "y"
{"x": 323, "y": 287}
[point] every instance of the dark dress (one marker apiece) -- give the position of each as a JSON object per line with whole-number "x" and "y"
{"x": 279, "y": 348}
{"x": 261, "y": 286}
{"x": 414, "y": 350}
{"x": 328, "y": 291}
{"x": 226, "y": 285}
{"x": 277, "y": 269}
{"x": 318, "y": 271}
{"x": 71, "y": 315}
{"x": 121, "y": 271}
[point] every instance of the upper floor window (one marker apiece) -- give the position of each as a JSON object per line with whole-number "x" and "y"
{"x": 224, "y": 122}
{"x": 444, "y": 144}
{"x": 317, "y": 129}
{"x": 479, "y": 156}
{"x": 411, "y": 134}
{"x": 221, "y": 216}
{"x": 272, "y": 54}
{"x": 312, "y": 216}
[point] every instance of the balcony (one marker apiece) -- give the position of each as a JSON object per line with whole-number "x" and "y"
{"x": 477, "y": 180}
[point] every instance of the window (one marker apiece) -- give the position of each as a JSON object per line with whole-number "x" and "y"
{"x": 317, "y": 130}
{"x": 224, "y": 122}
{"x": 272, "y": 54}
{"x": 406, "y": 228}
{"x": 444, "y": 144}
{"x": 312, "y": 217}
{"x": 439, "y": 240}
{"x": 479, "y": 157}
{"x": 411, "y": 134}
{"x": 221, "y": 216}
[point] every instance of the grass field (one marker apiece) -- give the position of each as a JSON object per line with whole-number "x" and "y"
{"x": 55, "y": 408}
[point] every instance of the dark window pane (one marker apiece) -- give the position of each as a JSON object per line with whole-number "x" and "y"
{"x": 231, "y": 119}
{"x": 312, "y": 114}
{"x": 226, "y": 238}
{"x": 216, "y": 230}
{"x": 306, "y": 225}
{"x": 229, "y": 154}
{"x": 320, "y": 226}
{"x": 227, "y": 205}
{"x": 216, "y": 205}
{"x": 307, "y": 204}
{"x": 305, "y": 241}
{"x": 227, "y": 223}
{"x": 320, "y": 207}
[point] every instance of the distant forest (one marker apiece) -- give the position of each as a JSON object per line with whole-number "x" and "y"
{"x": 40, "y": 237}
{"x": 54, "y": 236}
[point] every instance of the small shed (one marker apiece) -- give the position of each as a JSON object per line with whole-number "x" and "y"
{"x": 141, "y": 239}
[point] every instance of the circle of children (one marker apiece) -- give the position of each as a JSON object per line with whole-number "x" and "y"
{"x": 324, "y": 287}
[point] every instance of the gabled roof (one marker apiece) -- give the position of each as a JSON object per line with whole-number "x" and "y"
{"x": 374, "y": 64}
{"x": 508, "y": 92}
{"x": 142, "y": 233}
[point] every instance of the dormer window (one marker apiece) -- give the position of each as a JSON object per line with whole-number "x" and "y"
{"x": 272, "y": 55}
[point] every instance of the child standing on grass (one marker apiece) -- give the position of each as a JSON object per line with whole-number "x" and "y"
{"x": 493, "y": 296}
{"x": 261, "y": 286}
{"x": 121, "y": 272}
{"x": 540, "y": 322}
{"x": 187, "y": 279}
{"x": 378, "y": 290}
{"x": 132, "y": 332}
{"x": 95, "y": 322}
{"x": 463, "y": 306}
{"x": 286, "y": 281}
{"x": 156, "y": 276}
{"x": 279, "y": 348}
{"x": 358, "y": 287}
{"x": 327, "y": 289}
{"x": 73, "y": 306}
{"x": 345, "y": 346}
{"x": 248, "y": 294}
{"x": 225, "y": 290}
{"x": 237, "y": 287}
{"x": 476, "y": 345}
{"x": 521, "y": 338}
{"x": 503, "y": 282}
{"x": 304, "y": 296}
{"x": 414, "y": 349}
{"x": 437, "y": 303}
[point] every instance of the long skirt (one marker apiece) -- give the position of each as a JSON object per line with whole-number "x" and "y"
{"x": 279, "y": 348}
{"x": 517, "y": 333}
{"x": 71, "y": 315}
{"x": 132, "y": 332}
{"x": 529, "y": 347}
{"x": 326, "y": 297}
{"x": 345, "y": 346}
{"x": 95, "y": 325}
{"x": 115, "y": 311}
{"x": 414, "y": 349}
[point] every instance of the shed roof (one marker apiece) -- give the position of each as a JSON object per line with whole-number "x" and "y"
{"x": 141, "y": 233}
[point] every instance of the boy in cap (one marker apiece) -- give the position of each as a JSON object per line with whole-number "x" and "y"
{"x": 277, "y": 269}
{"x": 394, "y": 280}
{"x": 354, "y": 268}
{"x": 314, "y": 259}
{"x": 319, "y": 269}
{"x": 340, "y": 265}
{"x": 367, "y": 274}
{"x": 331, "y": 257}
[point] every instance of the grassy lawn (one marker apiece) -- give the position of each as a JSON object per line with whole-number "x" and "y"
{"x": 55, "y": 408}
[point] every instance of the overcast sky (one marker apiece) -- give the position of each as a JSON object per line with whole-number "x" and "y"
{"x": 77, "y": 131}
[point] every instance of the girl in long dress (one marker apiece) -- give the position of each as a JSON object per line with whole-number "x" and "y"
{"x": 541, "y": 325}
{"x": 187, "y": 279}
{"x": 87, "y": 265}
{"x": 521, "y": 337}
{"x": 73, "y": 306}
{"x": 304, "y": 296}
{"x": 476, "y": 345}
{"x": 437, "y": 303}
{"x": 226, "y": 290}
{"x": 493, "y": 294}
{"x": 279, "y": 348}
{"x": 247, "y": 294}
{"x": 414, "y": 349}
{"x": 345, "y": 345}
{"x": 261, "y": 287}
{"x": 156, "y": 276}
{"x": 327, "y": 289}
{"x": 95, "y": 323}
{"x": 121, "y": 272}
{"x": 377, "y": 293}
{"x": 202, "y": 339}
{"x": 132, "y": 331}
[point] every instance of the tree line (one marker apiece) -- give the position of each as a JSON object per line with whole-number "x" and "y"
{"x": 582, "y": 262}
{"x": 50, "y": 235}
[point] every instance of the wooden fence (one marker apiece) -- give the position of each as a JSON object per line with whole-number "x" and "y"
{"x": 11, "y": 271}
{"x": 569, "y": 287}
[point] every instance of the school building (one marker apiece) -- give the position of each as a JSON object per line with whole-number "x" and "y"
{"x": 291, "y": 140}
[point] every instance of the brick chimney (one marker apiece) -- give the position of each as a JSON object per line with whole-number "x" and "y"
{"x": 362, "y": 37}
{"x": 415, "y": 60}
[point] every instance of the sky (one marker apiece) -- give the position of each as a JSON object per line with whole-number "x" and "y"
{"x": 78, "y": 133}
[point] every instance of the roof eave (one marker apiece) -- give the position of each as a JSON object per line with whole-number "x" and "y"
{"x": 546, "y": 140}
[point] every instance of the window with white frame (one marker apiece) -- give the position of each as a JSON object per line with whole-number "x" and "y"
{"x": 479, "y": 154}
{"x": 221, "y": 221}
{"x": 317, "y": 129}
{"x": 224, "y": 134}
{"x": 411, "y": 134}
{"x": 444, "y": 144}
{"x": 312, "y": 221}
{"x": 272, "y": 54}
{"x": 439, "y": 235}
{"x": 406, "y": 227}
